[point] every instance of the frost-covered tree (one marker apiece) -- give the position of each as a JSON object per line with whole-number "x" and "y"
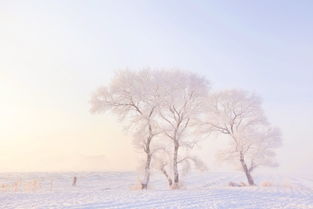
{"x": 181, "y": 96}
{"x": 133, "y": 97}
{"x": 239, "y": 115}
{"x": 162, "y": 163}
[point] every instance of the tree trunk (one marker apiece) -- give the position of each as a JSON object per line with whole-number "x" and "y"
{"x": 175, "y": 168}
{"x": 145, "y": 182}
{"x": 170, "y": 182}
{"x": 246, "y": 170}
{"x": 146, "y": 179}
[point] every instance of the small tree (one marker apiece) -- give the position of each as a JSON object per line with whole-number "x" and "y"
{"x": 239, "y": 115}
{"x": 162, "y": 163}
{"x": 133, "y": 97}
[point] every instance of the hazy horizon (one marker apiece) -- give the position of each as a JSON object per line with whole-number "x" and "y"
{"x": 54, "y": 54}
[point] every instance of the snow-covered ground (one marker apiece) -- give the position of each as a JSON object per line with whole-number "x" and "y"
{"x": 117, "y": 190}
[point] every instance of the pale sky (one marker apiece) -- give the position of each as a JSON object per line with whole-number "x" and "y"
{"x": 54, "y": 54}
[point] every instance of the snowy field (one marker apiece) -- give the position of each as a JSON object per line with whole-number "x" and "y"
{"x": 117, "y": 190}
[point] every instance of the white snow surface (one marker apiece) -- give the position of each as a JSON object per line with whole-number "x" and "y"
{"x": 117, "y": 190}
